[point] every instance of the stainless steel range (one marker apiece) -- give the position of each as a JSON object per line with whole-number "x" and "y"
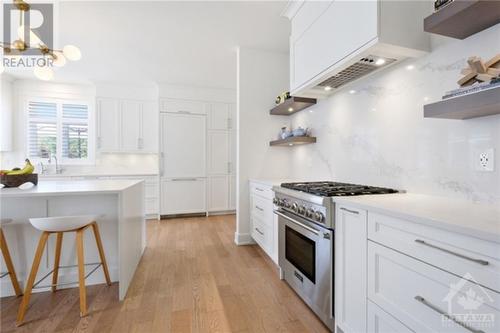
{"x": 306, "y": 217}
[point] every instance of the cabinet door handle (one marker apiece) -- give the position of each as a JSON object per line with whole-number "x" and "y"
{"x": 259, "y": 208}
{"x": 184, "y": 179}
{"x": 183, "y": 112}
{"x": 445, "y": 314}
{"x": 260, "y": 232}
{"x": 228, "y": 167}
{"x": 477, "y": 261}
{"x": 349, "y": 210}
{"x": 99, "y": 142}
{"x": 259, "y": 189}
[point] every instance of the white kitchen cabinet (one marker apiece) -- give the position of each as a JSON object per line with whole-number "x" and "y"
{"x": 218, "y": 152}
{"x": 183, "y": 149}
{"x": 183, "y": 196}
{"x": 350, "y": 268}
{"x": 183, "y": 106}
{"x": 218, "y": 193}
{"x": 108, "y": 125}
{"x": 327, "y": 37}
{"x": 126, "y": 126}
{"x": 263, "y": 222}
{"x": 131, "y": 125}
{"x": 219, "y": 116}
{"x": 232, "y": 192}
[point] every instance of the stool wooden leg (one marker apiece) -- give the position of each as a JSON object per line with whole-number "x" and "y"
{"x": 101, "y": 252}
{"x": 8, "y": 263}
{"x": 57, "y": 258}
{"x": 31, "y": 278}
{"x": 81, "y": 273}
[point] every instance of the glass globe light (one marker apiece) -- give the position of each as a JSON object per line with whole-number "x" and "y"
{"x": 44, "y": 73}
{"x": 60, "y": 59}
{"x": 72, "y": 52}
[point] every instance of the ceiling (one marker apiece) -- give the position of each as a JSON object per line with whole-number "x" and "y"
{"x": 179, "y": 42}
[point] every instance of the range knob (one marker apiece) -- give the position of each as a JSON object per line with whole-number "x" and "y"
{"x": 275, "y": 201}
{"x": 302, "y": 209}
{"x": 318, "y": 216}
{"x": 310, "y": 212}
{"x": 295, "y": 207}
{"x": 286, "y": 204}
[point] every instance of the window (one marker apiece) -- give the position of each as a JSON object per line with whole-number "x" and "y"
{"x": 60, "y": 128}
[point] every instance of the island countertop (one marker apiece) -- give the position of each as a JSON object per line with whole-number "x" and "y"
{"x": 69, "y": 187}
{"x": 469, "y": 218}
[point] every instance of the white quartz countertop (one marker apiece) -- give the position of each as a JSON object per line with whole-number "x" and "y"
{"x": 96, "y": 174}
{"x": 271, "y": 181}
{"x": 69, "y": 187}
{"x": 472, "y": 219}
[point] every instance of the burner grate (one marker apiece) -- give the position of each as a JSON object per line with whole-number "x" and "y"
{"x": 332, "y": 189}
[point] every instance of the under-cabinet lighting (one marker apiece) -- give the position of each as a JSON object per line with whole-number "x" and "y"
{"x": 380, "y": 61}
{"x": 290, "y": 109}
{"x": 328, "y": 88}
{"x": 410, "y": 67}
{"x": 352, "y": 91}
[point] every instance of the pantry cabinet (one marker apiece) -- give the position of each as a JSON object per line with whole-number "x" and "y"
{"x": 126, "y": 126}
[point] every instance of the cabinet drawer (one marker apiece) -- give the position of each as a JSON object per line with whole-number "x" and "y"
{"x": 262, "y": 234}
{"x": 452, "y": 252}
{"x": 263, "y": 209}
{"x": 419, "y": 294}
{"x": 380, "y": 321}
{"x": 179, "y": 106}
{"x": 261, "y": 190}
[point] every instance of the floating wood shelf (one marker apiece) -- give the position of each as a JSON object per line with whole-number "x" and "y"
{"x": 292, "y": 105}
{"x": 479, "y": 104}
{"x": 462, "y": 18}
{"x": 294, "y": 140}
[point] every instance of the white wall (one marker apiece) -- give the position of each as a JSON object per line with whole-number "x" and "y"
{"x": 261, "y": 77}
{"x": 378, "y": 136}
{"x": 6, "y": 113}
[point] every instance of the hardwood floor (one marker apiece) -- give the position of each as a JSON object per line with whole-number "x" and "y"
{"x": 192, "y": 278}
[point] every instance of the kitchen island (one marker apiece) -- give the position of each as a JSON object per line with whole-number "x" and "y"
{"x": 119, "y": 205}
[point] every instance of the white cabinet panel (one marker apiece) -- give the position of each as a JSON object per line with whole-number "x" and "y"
{"x": 182, "y": 106}
{"x": 333, "y": 36}
{"x": 131, "y": 125}
{"x": 350, "y": 262}
{"x": 149, "y": 133}
{"x": 183, "y": 196}
{"x": 232, "y": 192}
{"x": 380, "y": 321}
{"x": 219, "y": 116}
{"x": 183, "y": 145}
{"x": 108, "y": 124}
{"x": 218, "y": 147}
{"x": 218, "y": 193}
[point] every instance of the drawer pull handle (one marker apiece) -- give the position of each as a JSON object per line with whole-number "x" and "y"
{"x": 259, "y": 208}
{"x": 260, "y": 232}
{"x": 443, "y": 313}
{"x": 477, "y": 261}
{"x": 349, "y": 211}
{"x": 259, "y": 189}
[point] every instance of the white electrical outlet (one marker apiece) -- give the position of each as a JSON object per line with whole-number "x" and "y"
{"x": 486, "y": 160}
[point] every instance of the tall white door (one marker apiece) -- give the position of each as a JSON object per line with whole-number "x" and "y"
{"x": 183, "y": 145}
{"x": 219, "y": 116}
{"x": 131, "y": 120}
{"x": 218, "y": 146}
{"x": 108, "y": 118}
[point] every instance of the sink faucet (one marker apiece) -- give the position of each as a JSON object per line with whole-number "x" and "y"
{"x": 42, "y": 168}
{"x": 58, "y": 169}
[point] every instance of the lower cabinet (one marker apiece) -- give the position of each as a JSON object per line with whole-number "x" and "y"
{"x": 350, "y": 261}
{"x": 380, "y": 321}
{"x": 218, "y": 193}
{"x": 183, "y": 196}
{"x": 151, "y": 193}
{"x": 264, "y": 224}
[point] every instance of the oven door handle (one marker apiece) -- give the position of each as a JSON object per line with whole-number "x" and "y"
{"x": 308, "y": 228}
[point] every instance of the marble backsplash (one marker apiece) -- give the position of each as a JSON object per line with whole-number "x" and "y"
{"x": 373, "y": 132}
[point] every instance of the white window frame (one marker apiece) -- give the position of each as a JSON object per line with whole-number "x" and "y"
{"x": 91, "y": 151}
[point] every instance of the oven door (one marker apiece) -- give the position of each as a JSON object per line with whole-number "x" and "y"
{"x": 306, "y": 262}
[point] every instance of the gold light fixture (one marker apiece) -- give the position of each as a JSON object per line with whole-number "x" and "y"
{"x": 51, "y": 56}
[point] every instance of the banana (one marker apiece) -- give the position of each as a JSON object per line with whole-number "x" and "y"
{"x": 28, "y": 169}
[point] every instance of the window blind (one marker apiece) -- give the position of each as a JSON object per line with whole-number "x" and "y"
{"x": 42, "y": 129}
{"x": 75, "y": 130}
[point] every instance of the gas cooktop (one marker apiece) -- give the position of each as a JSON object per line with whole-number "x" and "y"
{"x": 334, "y": 189}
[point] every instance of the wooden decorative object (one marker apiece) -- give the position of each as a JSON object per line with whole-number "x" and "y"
{"x": 17, "y": 180}
{"x": 294, "y": 140}
{"x": 479, "y": 71}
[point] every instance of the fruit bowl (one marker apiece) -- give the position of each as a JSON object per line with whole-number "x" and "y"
{"x": 17, "y": 180}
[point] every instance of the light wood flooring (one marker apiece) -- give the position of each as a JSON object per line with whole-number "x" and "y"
{"x": 192, "y": 278}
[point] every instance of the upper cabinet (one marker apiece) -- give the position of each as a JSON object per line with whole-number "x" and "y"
{"x": 333, "y": 43}
{"x": 127, "y": 126}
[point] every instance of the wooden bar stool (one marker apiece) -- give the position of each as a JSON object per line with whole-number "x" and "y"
{"x": 8, "y": 260}
{"x": 60, "y": 225}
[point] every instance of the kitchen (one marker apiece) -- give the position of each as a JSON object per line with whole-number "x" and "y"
{"x": 175, "y": 146}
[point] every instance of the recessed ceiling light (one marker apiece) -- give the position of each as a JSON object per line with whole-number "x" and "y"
{"x": 426, "y": 98}
{"x": 380, "y": 61}
{"x": 328, "y": 88}
{"x": 352, "y": 91}
{"x": 290, "y": 109}
{"x": 410, "y": 67}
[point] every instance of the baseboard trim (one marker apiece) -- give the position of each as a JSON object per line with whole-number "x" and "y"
{"x": 221, "y": 212}
{"x": 243, "y": 239}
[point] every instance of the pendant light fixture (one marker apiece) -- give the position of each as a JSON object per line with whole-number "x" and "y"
{"x": 43, "y": 70}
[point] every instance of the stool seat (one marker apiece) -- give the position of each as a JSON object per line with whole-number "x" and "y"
{"x": 62, "y": 223}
